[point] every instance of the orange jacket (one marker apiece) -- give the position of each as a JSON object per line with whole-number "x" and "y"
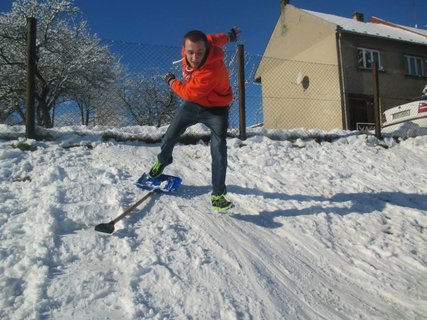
{"x": 208, "y": 85}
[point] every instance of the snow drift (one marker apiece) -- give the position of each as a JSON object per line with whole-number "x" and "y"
{"x": 320, "y": 230}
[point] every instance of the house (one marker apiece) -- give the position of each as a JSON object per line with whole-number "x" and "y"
{"x": 316, "y": 71}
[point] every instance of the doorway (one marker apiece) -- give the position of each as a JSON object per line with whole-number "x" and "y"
{"x": 361, "y": 115}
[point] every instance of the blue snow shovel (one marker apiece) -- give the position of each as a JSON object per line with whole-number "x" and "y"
{"x": 164, "y": 184}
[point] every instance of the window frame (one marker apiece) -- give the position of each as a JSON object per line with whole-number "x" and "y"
{"x": 411, "y": 69}
{"x": 366, "y": 63}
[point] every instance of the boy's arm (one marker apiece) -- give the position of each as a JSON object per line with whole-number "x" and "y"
{"x": 221, "y": 39}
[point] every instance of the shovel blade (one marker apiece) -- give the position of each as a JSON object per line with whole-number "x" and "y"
{"x": 105, "y": 227}
{"x": 163, "y": 183}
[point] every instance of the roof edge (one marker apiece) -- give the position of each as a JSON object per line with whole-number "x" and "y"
{"x": 394, "y": 25}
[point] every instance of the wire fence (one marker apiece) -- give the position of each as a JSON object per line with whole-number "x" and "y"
{"x": 299, "y": 94}
{"x": 139, "y": 94}
{"x": 139, "y": 97}
{"x": 153, "y": 62}
{"x": 279, "y": 94}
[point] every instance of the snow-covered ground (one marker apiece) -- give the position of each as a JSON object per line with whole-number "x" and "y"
{"x": 320, "y": 230}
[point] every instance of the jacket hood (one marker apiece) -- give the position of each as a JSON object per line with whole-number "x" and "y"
{"x": 214, "y": 55}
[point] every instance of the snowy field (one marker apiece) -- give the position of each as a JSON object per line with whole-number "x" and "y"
{"x": 320, "y": 230}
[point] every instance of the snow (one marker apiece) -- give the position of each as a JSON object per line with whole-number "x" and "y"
{"x": 414, "y": 35}
{"x": 321, "y": 229}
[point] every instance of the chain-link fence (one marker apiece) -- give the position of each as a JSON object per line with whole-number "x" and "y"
{"x": 279, "y": 94}
{"x": 140, "y": 96}
{"x": 398, "y": 92}
{"x": 294, "y": 94}
{"x": 299, "y": 94}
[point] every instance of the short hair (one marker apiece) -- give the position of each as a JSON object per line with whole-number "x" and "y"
{"x": 196, "y": 36}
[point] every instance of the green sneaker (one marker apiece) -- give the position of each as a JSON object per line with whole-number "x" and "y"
{"x": 156, "y": 169}
{"x": 220, "y": 203}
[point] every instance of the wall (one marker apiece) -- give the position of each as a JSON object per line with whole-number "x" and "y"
{"x": 301, "y": 46}
{"x": 395, "y": 86}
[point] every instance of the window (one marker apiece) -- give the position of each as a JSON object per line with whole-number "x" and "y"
{"x": 414, "y": 66}
{"x": 365, "y": 58}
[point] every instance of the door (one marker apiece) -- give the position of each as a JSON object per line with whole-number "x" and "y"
{"x": 361, "y": 109}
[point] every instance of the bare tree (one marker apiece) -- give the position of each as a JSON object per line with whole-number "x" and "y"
{"x": 70, "y": 60}
{"x": 147, "y": 100}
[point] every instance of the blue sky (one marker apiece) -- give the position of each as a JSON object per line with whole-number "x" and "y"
{"x": 165, "y": 22}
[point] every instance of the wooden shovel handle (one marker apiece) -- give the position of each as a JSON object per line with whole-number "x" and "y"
{"x": 136, "y": 204}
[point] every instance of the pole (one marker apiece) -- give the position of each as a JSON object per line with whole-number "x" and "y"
{"x": 376, "y": 93}
{"x": 241, "y": 82}
{"x": 31, "y": 78}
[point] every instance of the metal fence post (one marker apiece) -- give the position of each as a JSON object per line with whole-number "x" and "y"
{"x": 241, "y": 82}
{"x": 376, "y": 93}
{"x": 31, "y": 78}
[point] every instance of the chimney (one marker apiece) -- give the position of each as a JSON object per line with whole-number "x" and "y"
{"x": 283, "y": 4}
{"x": 359, "y": 16}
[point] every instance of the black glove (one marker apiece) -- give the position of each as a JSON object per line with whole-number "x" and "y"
{"x": 169, "y": 77}
{"x": 233, "y": 34}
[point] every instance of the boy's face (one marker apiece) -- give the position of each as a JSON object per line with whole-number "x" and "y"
{"x": 195, "y": 52}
